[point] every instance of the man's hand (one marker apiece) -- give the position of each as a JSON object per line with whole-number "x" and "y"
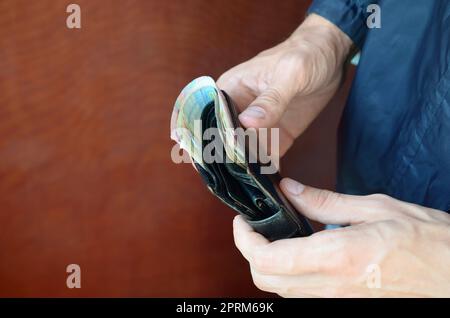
{"x": 287, "y": 86}
{"x": 391, "y": 248}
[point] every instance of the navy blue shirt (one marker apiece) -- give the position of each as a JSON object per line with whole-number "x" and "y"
{"x": 394, "y": 136}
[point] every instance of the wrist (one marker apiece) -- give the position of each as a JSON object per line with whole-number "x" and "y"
{"x": 320, "y": 33}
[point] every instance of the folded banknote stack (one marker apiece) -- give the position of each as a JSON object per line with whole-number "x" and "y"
{"x": 204, "y": 116}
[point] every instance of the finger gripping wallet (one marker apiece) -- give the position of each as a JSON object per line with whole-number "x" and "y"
{"x": 256, "y": 196}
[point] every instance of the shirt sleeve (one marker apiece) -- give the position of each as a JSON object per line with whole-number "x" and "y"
{"x": 348, "y": 15}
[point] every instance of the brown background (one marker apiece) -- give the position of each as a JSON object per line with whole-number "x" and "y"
{"x": 85, "y": 169}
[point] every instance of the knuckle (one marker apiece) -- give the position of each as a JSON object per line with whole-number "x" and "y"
{"x": 261, "y": 283}
{"x": 261, "y": 261}
{"x": 380, "y": 198}
{"x": 268, "y": 262}
{"x": 290, "y": 265}
{"x": 338, "y": 259}
{"x": 384, "y": 206}
{"x": 225, "y": 79}
{"x": 273, "y": 94}
{"x": 273, "y": 97}
{"x": 380, "y": 202}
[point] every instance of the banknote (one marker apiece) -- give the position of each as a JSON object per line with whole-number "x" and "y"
{"x": 187, "y": 113}
{"x": 187, "y": 116}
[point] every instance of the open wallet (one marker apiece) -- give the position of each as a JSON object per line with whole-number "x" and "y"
{"x": 239, "y": 182}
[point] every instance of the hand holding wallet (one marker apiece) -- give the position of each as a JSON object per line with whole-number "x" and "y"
{"x": 235, "y": 179}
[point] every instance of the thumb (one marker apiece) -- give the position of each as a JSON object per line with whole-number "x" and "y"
{"x": 325, "y": 206}
{"x": 266, "y": 110}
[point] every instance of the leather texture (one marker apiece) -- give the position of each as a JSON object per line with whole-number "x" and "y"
{"x": 254, "y": 195}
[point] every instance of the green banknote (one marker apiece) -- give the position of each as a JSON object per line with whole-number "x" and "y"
{"x": 186, "y": 120}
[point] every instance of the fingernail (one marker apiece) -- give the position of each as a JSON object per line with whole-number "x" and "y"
{"x": 254, "y": 112}
{"x": 293, "y": 187}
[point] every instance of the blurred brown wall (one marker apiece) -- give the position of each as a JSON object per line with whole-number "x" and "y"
{"x": 85, "y": 169}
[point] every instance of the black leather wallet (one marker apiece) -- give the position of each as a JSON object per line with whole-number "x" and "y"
{"x": 254, "y": 195}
